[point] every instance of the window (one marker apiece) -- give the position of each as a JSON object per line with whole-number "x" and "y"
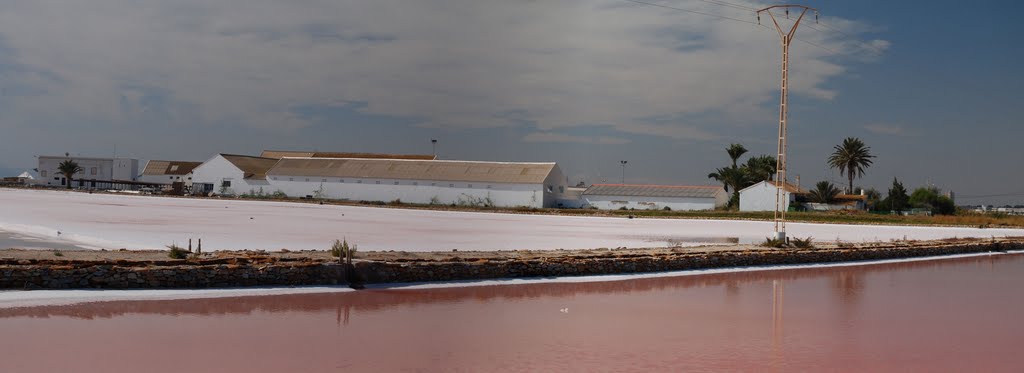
{"x": 561, "y": 189}
{"x": 291, "y": 179}
{"x": 92, "y": 171}
{"x": 174, "y": 168}
{"x": 172, "y": 177}
{"x": 396, "y": 183}
{"x": 550, "y": 189}
{"x": 378, "y": 182}
{"x": 451, "y": 185}
{"x": 415, "y": 183}
{"x": 190, "y": 178}
{"x": 323, "y": 180}
{"x": 307, "y": 179}
{"x": 488, "y": 187}
{"x": 274, "y": 178}
{"x": 341, "y": 180}
{"x": 433, "y": 184}
{"x": 42, "y": 173}
{"x": 359, "y": 181}
{"x": 469, "y": 186}
{"x": 225, "y": 184}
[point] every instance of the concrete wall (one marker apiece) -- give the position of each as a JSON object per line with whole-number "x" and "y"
{"x": 125, "y": 169}
{"x": 218, "y": 170}
{"x": 761, "y": 197}
{"x": 409, "y": 191}
{"x": 651, "y": 203}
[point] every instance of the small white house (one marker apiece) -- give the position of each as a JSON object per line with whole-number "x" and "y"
{"x": 499, "y": 184}
{"x": 231, "y": 174}
{"x": 168, "y": 172}
{"x": 655, "y": 197}
{"x": 94, "y": 170}
{"x": 761, "y": 196}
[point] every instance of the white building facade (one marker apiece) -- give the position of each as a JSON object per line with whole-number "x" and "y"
{"x": 229, "y": 174}
{"x": 498, "y": 184}
{"x": 93, "y": 170}
{"x": 655, "y": 197}
{"x": 761, "y": 196}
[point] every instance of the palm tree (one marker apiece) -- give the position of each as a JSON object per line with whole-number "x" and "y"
{"x": 735, "y": 178}
{"x": 735, "y": 152}
{"x": 69, "y": 168}
{"x": 824, "y": 192}
{"x": 761, "y": 168}
{"x": 851, "y": 157}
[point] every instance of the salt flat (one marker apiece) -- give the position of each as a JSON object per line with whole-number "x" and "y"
{"x": 146, "y": 222}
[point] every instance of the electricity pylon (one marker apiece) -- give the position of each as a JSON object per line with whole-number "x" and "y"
{"x": 780, "y": 166}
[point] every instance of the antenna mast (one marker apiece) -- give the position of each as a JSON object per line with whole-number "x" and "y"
{"x": 780, "y": 166}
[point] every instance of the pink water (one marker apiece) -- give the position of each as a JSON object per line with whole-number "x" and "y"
{"x": 942, "y": 315}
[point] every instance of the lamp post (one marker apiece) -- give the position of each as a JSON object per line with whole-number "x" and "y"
{"x": 623, "y": 171}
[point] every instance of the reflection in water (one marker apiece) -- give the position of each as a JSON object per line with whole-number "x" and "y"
{"x": 859, "y": 318}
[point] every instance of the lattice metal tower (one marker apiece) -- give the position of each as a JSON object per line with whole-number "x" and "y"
{"x": 780, "y": 173}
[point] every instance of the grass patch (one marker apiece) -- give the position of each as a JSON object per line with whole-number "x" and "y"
{"x": 57, "y": 253}
{"x": 774, "y": 242}
{"x": 341, "y": 247}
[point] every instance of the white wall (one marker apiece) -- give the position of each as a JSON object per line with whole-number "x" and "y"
{"x": 555, "y": 187}
{"x": 217, "y": 170}
{"x": 92, "y": 168}
{"x": 424, "y": 191}
{"x": 166, "y": 179}
{"x": 650, "y": 203}
{"x": 761, "y": 197}
{"x": 126, "y": 169}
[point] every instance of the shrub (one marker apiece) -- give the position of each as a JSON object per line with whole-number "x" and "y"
{"x": 774, "y": 242}
{"x": 57, "y": 253}
{"x": 176, "y": 252}
{"x": 805, "y": 243}
{"x": 667, "y": 208}
{"x": 340, "y": 247}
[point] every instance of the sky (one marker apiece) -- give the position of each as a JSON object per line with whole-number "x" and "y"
{"x": 934, "y": 91}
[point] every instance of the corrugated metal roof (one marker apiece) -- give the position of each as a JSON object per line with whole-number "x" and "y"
{"x": 405, "y": 169}
{"x": 673, "y": 191}
{"x": 252, "y": 167}
{"x": 169, "y": 167}
{"x": 305, "y": 154}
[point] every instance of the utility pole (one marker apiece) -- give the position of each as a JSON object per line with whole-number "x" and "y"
{"x": 780, "y": 166}
{"x": 623, "y": 171}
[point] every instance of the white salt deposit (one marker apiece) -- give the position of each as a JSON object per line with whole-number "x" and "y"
{"x": 146, "y": 222}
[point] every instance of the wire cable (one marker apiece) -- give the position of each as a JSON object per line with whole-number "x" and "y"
{"x": 692, "y": 11}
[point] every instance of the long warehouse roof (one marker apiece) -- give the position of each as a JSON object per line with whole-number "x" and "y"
{"x": 404, "y": 169}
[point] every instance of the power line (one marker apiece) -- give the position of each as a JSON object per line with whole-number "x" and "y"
{"x": 728, "y": 4}
{"x": 692, "y": 11}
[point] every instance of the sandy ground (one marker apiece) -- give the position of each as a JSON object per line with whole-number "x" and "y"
{"x": 147, "y": 222}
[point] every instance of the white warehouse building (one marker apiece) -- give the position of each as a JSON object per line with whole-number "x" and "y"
{"x": 655, "y": 197}
{"x": 232, "y": 174}
{"x": 94, "y": 170}
{"x": 500, "y": 184}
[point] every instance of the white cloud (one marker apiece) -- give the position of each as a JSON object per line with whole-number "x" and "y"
{"x": 446, "y": 63}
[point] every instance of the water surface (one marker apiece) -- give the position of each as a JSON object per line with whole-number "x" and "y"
{"x": 942, "y": 315}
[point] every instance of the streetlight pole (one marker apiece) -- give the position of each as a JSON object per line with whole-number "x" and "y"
{"x": 623, "y": 171}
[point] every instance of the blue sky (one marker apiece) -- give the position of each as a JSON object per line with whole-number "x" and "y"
{"x": 584, "y": 83}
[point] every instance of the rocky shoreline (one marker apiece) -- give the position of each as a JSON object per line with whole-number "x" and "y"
{"x": 295, "y": 269}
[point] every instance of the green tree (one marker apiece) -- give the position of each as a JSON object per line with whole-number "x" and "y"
{"x": 734, "y": 179}
{"x": 931, "y": 198}
{"x": 69, "y": 168}
{"x": 897, "y": 200}
{"x": 735, "y": 152}
{"x": 824, "y": 192}
{"x": 851, "y": 158}
{"x": 761, "y": 168}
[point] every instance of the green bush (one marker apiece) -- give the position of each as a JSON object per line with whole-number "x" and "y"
{"x": 805, "y": 243}
{"x": 57, "y": 253}
{"x": 774, "y": 242}
{"x": 176, "y": 252}
{"x": 340, "y": 247}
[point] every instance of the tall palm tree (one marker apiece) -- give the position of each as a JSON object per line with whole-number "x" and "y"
{"x": 824, "y": 192}
{"x": 735, "y": 152}
{"x": 761, "y": 168}
{"x": 734, "y": 178}
{"x": 851, "y": 157}
{"x": 69, "y": 168}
